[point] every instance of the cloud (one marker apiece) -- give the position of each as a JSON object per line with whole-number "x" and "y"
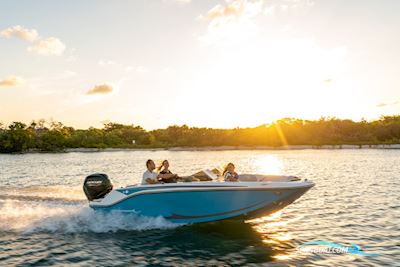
{"x": 253, "y": 8}
{"x": 381, "y": 105}
{"x": 20, "y": 33}
{"x": 41, "y": 46}
{"x": 235, "y": 21}
{"x": 11, "y": 81}
{"x": 232, "y": 22}
{"x": 49, "y": 46}
{"x": 236, "y": 9}
{"x": 126, "y": 68}
{"x": 100, "y": 89}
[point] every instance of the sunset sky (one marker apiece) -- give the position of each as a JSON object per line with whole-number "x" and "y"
{"x": 221, "y": 64}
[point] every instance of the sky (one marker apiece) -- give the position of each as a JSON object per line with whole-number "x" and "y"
{"x": 218, "y": 64}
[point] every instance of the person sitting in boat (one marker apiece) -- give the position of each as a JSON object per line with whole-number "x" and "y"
{"x": 229, "y": 173}
{"x": 165, "y": 175}
{"x": 150, "y": 176}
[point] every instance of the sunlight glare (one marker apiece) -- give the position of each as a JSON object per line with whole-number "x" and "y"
{"x": 269, "y": 165}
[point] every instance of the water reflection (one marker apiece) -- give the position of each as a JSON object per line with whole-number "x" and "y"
{"x": 274, "y": 233}
{"x": 226, "y": 242}
{"x": 269, "y": 164}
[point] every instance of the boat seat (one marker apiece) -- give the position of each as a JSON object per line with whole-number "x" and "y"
{"x": 205, "y": 175}
{"x": 211, "y": 175}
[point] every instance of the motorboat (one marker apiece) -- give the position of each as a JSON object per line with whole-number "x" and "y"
{"x": 253, "y": 196}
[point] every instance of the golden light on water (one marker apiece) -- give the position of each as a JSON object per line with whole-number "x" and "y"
{"x": 270, "y": 217}
{"x": 269, "y": 164}
{"x": 283, "y": 257}
{"x": 273, "y": 231}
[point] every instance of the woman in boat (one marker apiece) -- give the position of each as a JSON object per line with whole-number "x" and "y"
{"x": 165, "y": 175}
{"x": 229, "y": 173}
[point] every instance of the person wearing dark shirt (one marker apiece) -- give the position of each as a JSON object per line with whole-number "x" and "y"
{"x": 166, "y": 175}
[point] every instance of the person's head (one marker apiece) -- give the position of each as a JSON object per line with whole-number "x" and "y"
{"x": 230, "y": 167}
{"x": 150, "y": 165}
{"x": 164, "y": 165}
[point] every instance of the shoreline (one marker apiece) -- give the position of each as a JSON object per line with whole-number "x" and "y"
{"x": 226, "y": 148}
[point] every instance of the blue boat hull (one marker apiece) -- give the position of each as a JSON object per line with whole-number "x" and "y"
{"x": 205, "y": 206}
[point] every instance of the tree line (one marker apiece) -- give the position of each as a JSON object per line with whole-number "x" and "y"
{"x": 54, "y": 136}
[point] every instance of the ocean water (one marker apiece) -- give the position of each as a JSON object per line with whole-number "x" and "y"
{"x": 45, "y": 220}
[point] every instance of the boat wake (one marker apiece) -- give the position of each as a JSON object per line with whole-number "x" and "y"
{"x": 35, "y": 212}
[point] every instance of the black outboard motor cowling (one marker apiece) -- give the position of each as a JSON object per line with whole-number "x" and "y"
{"x": 97, "y": 186}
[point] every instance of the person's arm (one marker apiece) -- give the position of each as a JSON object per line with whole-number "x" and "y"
{"x": 149, "y": 178}
{"x": 231, "y": 178}
{"x": 227, "y": 177}
{"x": 151, "y": 181}
{"x": 166, "y": 175}
{"x": 235, "y": 177}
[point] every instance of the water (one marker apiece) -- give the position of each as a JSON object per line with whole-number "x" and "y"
{"x": 45, "y": 219}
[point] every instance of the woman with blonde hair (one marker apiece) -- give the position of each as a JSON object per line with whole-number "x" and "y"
{"x": 229, "y": 173}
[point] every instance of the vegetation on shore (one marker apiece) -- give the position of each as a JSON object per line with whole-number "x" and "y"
{"x": 54, "y": 136}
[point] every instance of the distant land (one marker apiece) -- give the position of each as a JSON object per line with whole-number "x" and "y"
{"x": 287, "y": 133}
{"x": 225, "y": 148}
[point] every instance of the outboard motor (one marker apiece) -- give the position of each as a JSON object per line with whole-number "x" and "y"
{"x": 97, "y": 186}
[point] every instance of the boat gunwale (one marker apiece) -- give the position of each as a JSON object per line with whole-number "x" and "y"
{"x": 304, "y": 184}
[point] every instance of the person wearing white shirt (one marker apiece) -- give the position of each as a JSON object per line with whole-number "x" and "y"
{"x": 150, "y": 176}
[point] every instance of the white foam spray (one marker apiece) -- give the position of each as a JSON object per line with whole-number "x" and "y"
{"x": 69, "y": 217}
